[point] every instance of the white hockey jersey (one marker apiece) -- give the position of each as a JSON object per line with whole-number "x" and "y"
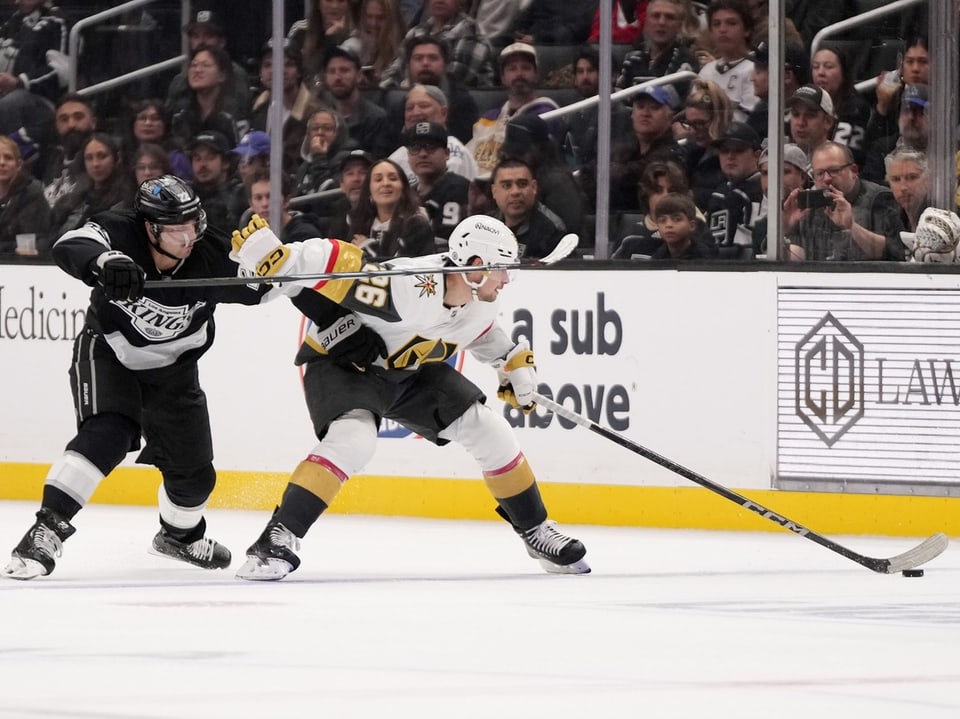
{"x": 407, "y": 311}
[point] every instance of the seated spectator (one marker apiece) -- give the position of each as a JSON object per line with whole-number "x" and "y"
{"x": 366, "y": 122}
{"x": 913, "y": 132}
{"x": 208, "y": 105}
{"x": 651, "y": 139}
{"x": 377, "y": 40}
{"x": 863, "y": 223}
{"x": 427, "y": 59}
{"x": 529, "y": 140}
{"x": 150, "y": 124}
{"x": 63, "y": 163}
{"x": 206, "y": 30}
{"x": 914, "y": 70}
{"x": 23, "y": 208}
{"x": 252, "y": 155}
{"x": 907, "y": 178}
{"x": 676, "y": 217}
{"x": 292, "y": 225}
{"x": 518, "y": 74}
{"x": 831, "y": 71}
{"x": 328, "y": 23}
{"x": 796, "y": 72}
{"x": 536, "y": 227}
{"x": 730, "y": 23}
{"x": 427, "y": 103}
{"x": 213, "y": 181}
{"x": 32, "y": 40}
{"x": 643, "y": 239}
{"x": 297, "y": 103}
{"x": 628, "y": 17}
{"x": 812, "y": 119}
{"x": 707, "y": 113}
{"x": 323, "y": 148}
{"x": 442, "y": 193}
{"x": 149, "y": 162}
{"x": 351, "y": 175}
{"x": 662, "y": 48}
{"x": 105, "y": 185}
{"x": 580, "y": 127}
{"x": 388, "y": 220}
{"x": 555, "y": 22}
{"x": 496, "y": 19}
{"x": 735, "y": 204}
{"x": 471, "y": 57}
{"x": 796, "y": 175}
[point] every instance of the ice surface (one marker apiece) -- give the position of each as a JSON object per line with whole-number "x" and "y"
{"x": 395, "y": 617}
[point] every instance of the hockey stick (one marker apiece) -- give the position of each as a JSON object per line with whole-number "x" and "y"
{"x": 565, "y": 246}
{"x": 921, "y": 554}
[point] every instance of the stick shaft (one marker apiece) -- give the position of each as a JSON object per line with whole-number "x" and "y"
{"x": 318, "y": 276}
{"x": 931, "y": 547}
{"x": 565, "y": 246}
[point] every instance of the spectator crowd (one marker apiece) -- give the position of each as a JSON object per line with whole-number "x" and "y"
{"x": 402, "y": 117}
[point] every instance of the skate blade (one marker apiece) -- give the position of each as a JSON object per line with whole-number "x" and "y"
{"x": 264, "y": 570}
{"x": 579, "y": 567}
{"x": 23, "y": 569}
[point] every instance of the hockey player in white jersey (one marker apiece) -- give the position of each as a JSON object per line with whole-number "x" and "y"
{"x": 423, "y": 319}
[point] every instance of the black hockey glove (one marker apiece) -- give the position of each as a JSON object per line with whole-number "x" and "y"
{"x": 121, "y": 278}
{"x": 348, "y": 342}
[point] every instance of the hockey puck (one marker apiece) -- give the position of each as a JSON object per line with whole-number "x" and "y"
{"x": 912, "y": 572}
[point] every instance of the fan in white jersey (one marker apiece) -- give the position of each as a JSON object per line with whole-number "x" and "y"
{"x": 423, "y": 319}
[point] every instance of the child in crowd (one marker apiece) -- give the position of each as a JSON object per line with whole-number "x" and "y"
{"x": 676, "y": 217}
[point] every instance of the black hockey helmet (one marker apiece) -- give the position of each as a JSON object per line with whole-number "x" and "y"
{"x": 168, "y": 200}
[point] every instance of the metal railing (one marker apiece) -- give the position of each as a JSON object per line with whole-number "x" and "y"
{"x": 81, "y": 25}
{"x": 855, "y": 21}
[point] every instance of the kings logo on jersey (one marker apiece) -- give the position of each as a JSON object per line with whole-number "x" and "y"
{"x": 157, "y": 322}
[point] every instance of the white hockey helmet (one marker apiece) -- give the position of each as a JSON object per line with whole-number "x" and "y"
{"x": 484, "y": 237}
{"x": 936, "y": 238}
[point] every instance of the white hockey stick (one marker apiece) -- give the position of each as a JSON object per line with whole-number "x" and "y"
{"x": 565, "y": 246}
{"x": 921, "y": 554}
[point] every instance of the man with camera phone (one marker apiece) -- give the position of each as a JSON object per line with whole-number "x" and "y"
{"x": 844, "y": 217}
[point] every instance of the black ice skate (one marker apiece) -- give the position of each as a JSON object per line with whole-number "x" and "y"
{"x": 205, "y": 552}
{"x": 34, "y": 556}
{"x": 556, "y": 552}
{"x": 272, "y": 556}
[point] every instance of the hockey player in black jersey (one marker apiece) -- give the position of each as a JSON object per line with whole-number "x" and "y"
{"x": 134, "y": 371}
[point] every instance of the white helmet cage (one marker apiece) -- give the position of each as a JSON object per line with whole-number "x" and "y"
{"x": 937, "y": 236}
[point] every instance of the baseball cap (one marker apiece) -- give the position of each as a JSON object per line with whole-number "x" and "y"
{"x": 918, "y": 95}
{"x": 812, "y": 96}
{"x": 212, "y": 139}
{"x": 357, "y": 155}
{"x": 338, "y": 51}
{"x": 424, "y": 133}
{"x": 518, "y": 48}
{"x": 792, "y": 154}
{"x": 741, "y": 133}
{"x": 207, "y": 18}
{"x": 252, "y": 144}
{"x": 661, "y": 94}
{"x": 523, "y": 132}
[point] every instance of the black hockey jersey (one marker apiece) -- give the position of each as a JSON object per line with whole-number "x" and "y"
{"x": 165, "y": 326}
